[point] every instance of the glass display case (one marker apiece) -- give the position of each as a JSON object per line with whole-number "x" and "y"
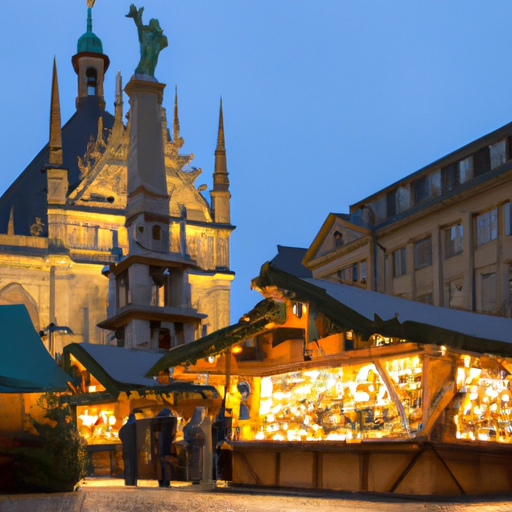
{"x": 485, "y": 401}
{"x": 344, "y": 403}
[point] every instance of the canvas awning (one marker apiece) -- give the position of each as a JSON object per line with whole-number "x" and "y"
{"x": 25, "y": 364}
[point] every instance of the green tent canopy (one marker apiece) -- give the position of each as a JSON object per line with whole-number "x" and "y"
{"x": 25, "y": 364}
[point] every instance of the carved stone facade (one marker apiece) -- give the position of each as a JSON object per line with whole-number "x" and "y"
{"x": 67, "y": 223}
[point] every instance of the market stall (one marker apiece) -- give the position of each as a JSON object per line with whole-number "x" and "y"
{"x": 348, "y": 389}
{"x": 109, "y": 384}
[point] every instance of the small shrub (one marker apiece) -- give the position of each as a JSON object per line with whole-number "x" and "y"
{"x": 59, "y": 462}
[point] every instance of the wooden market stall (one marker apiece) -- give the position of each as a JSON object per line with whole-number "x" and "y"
{"x": 109, "y": 384}
{"x": 342, "y": 388}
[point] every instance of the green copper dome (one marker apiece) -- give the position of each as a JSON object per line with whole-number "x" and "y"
{"x": 89, "y": 42}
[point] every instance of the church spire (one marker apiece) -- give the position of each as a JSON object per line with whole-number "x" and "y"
{"x": 220, "y": 193}
{"x": 220, "y": 174}
{"x": 176, "y": 121}
{"x": 55, "y": 122}
{"x": 177, "y": 140}
{"x": 117, "y": 129}
{"x": 10, "y": 225}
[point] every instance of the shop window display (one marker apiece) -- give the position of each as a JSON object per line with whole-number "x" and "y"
{"x": 485, "y": 406}
{"x": 99, "y": 424}
{"x": 346, "y": 403}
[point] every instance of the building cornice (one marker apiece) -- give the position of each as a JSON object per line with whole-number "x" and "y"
{"x": 338, "y": 253}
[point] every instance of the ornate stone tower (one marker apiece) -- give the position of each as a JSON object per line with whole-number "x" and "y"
{"x": 61, "y": 227}
{"x": 151, "y": 295}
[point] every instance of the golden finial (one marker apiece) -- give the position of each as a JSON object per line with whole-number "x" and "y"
{"x": 90, "y": 3}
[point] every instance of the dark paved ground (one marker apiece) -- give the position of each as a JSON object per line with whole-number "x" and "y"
{"x": 197, "y": 499}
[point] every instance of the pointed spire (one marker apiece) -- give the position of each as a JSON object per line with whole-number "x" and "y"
{"x": 55, "y": 122}
{"x": 220, "y": 136}
{"x": 117, "y": 129}
{"x": 10, "y": 226}
{"x": 220, "y": 173}
{"x": 177, "y": 141}
{"x": 89, "y": 19}
{"x": 176, "y": 122}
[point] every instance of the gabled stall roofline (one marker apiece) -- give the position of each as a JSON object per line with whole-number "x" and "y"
{"x": 367, "y": 312}
{"x": 350, "y": 308}
{"x": 95, "y": 358}
{"x": 217, "y": 342}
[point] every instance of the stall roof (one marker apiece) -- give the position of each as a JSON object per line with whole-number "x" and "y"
{"x": 368, "y": 312}
{"x": 125, "y": 366}
{"x": 388, "y": 307}
{"x": 120, "y": 369}
{"x": 352, "y": 308}
{"x": 25, "y": 364}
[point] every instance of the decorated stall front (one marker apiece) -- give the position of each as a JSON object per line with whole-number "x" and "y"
{"x": 109, "y": 385}
{"x": 341, "y": 388}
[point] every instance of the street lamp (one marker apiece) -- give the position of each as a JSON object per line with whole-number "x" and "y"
{"x": 50, "y": 329}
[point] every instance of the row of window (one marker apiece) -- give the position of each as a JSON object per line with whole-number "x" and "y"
{"x": 486, "y": 230}
{"x": 480, "y": 162}
{"x": 422, "y": 257}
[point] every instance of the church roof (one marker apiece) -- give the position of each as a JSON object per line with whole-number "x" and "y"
{"x": 28, "y": 193}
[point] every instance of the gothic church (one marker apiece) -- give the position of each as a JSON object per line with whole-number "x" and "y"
{"x": 63, "y": 220}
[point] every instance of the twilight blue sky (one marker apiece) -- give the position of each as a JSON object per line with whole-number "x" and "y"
{"x": 325, "y": 101}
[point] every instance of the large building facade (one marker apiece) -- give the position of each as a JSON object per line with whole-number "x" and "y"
{"x": 64, "y": 218}
{"x": 441, "y": 235}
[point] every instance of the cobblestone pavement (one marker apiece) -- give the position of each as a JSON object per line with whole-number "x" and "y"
{"x": 126, "y": 499}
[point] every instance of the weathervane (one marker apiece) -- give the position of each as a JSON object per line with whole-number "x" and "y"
{"x": 151, "y": 39}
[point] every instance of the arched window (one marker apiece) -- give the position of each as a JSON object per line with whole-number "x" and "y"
{"x": 92, "y": 81}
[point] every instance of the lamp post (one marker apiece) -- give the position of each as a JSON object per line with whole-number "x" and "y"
{"x": 50, "y": 329}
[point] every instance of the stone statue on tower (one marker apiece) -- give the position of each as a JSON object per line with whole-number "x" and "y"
{"x": 151, "y": 39}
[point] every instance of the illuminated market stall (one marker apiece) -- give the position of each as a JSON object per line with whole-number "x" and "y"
{"x": 341, "y": 388}
{"x": 109, "y": 384}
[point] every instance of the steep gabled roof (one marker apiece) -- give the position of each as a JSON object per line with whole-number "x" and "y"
{"x": 28, "y": 193}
